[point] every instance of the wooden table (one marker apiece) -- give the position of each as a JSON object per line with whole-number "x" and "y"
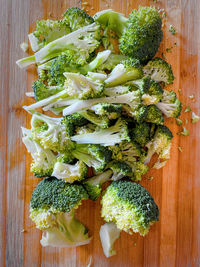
{"x": 175, "y": 239}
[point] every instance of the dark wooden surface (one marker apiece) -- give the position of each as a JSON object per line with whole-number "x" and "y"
{"x": 175, "y": 239}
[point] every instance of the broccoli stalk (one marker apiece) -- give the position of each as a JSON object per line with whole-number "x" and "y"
{"x": 52, "y": 210}
{"x": 107, "y": 137}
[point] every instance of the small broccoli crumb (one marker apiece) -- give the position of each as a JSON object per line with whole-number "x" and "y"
{"x": 150, "y": 178}
{"x": 172, "y": 30}
{"x": 179, "y": 121}
{"x": 188, "y": 109}
{"x": 191, "y": 96}
{"x": 24, "y": 46}
{"x": 159, "y": 165}
{"x": 23, "y": 231}
{"x": 180, "y": 149}
{"x": 184, "y": 132}
{"x": 169, "y": 49}
{"x": 186, "y": 121}
{"x": 195, "y": 118}
{"x": 179, "y": 90}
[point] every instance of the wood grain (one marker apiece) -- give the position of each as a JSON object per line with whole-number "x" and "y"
{"x": 175, "y": 239}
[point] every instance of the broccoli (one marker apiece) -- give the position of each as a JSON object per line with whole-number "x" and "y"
{"x": 42, "y": 91}
{"x": 71, "y": 121}
{"x": 70, "y": 173}
{"x": 107, "y": 137}
{"x": 159, "y": 70}
{"x": 76, "y": 18}
{"x": 83, "y": 41}
{"x": 110, "y": 111}
{"x": 117, "y": 90}
{"x": 95, "y": 156}
{"x": 112, "y": 61}
{"x": 130, "y": 206}
{"x": 108, "y": 235}
{"x": 160, "y": 144}
{"x": 43, "y": 159}
{"x": 111, "y": 20}
{"x": 127, "y": 70}
{"x": 141, "y": 84}
{"x": 142, "y": 35}
{"x": 52, "y": 208}
{"x": 120, "y": 169}
{"x": 138, "y": 169}
{"x": 49, "y": 132}
{"x": 141, "y": 133}
{"x": 46, "y": 32}
{"x": 93, "y": 185}
{"x": 100, "y": 121}
{"x": 195, "y": 118}
{"x": 131, "y": 99}
{"x": 170, "y": 104}
{"x": 154, "y": 94}
{"x": 149, "y": 114}
{"x": 82, "y": 87}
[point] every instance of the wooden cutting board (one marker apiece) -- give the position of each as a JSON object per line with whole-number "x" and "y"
{"x": 175, "y": 239}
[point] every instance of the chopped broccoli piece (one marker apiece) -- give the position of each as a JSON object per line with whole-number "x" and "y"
{"x": 110, "y": 136}
{"x": 130, "y": 206}
{"x": 150, "y": 114}
{"x": 77, "y": 18}
{"x": 142, "y": 84}
{"x": 158, "y": 165}
{"x": 43, "y": 159}
{"x": 100, "y": 121}
{"x": 195, "y": 118}
{"x": 93, "y": 185}
{"x": 126, "y": 151}
{"x": 24, "y": 46}
{"x": 70, "y": 173}
{"x": 42, "y": 91}
{"x": 108, "y": 235}
{"x": 141, "y": 133}
{"x": 138, "y": 169}
{"x": 112, "y": 111}
{"x": 179, "y": 121}
{"x": 170, "y": 104}
{"x": 82, "y": 87}
{"x": 117, "y": 90}
{"x": 185, "y": 132}
{"x": 120, "y": 169}
{"x": 52, "y": 210}
{"x": 142, "y": 36}
{"x": 95, "y": 156}
{"x": 154, "y": 94}
{"x": 159, "y": 70}
{"x": 172, "y": 30}
{"x": 188, "y": 109}
{"x": 127, "y": 70}
{"x": 112, "y": 61}
{"x": 71, "y": 121}
{"x": 160, "y": 144}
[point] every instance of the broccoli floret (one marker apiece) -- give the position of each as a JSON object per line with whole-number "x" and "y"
{"x": 108, "y": 235}
{"x": 46, "y": 32}
{"x": 95, "y": 156}
{"x": 42, "y": 91}
{"x": 142, "y": 36}
{"x": 131, "y": 99}
{"x": 43, "y": 159}
{"x": 117, "y": 90}
{"x": 111, "y": 20}
{"x": 100, "y": 121}
{"x": 128, "y": 70}
{"x": 111, "y": 111}
{"x": 126, "y": 151}
{"x": 107, "y": 137}
{"x": 93, "y": 185}
{"x": 82, "y": 87}
{"x": 138, "y": 169}
{"x": 154, "y": 94}
{"x": 71, "y": 121}
{"x": 77, "y": 18}
{"x": 159, "y": 70}
{"x": 99, "y": 60}
{"x": 120, "y": 169}
{"x": 170, "y": 104}
{"x": 150, "y": 114}
{"x": 160, "y": 144}
{"x": 49, "y": 132}
{"x": 141, "y": 84}
{"x": 89, "y": 128}
{"x": 111, "y": 62}
{"x": 130, "y": 206}
{"x": 52, "y": 209}
{"x": 70, "y": 173}
{"x": 141, "y": 133}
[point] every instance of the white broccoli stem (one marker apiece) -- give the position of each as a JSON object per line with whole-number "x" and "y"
{"x": 25, "y": 62}
{"x": 66, "y": 171}
{"x": 34, "y": 42}
{"x": 167, "y": 108}
{"x": 100, "y": 178}
{"x": 128, "y": 99}
{"x": 99, "y": 60}
{"x": 108, "y": 235}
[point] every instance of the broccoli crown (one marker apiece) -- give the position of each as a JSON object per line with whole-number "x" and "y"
{"x": 95, "y": 156}
{"x": 130, "y": 206}
{"x": 141, "y": 133}
{"x": 126, "y": 151}
{"x": 93, "y": 185}
{"x": 57, "y": 196}
{"x": 154, "y": 94}
{"x": 120, "y": 169}
{"x": 170, "y": 104}
{"x": 71, "y": 121}
{"x": 159, "y": 70}
{"x": 82, "y": 87}
{"x": 143, "y": 34}
{"x": 48, "y": 31}
{"x": 77, "y": 18}
{"x": 150, "y": 114}
{"x": 112, "y": 111}
{"x": 42, "y": 91}
{"x": 127, "y": 70}
{"x": 70, "y": 173}
{"x": 100, "y": 121}
{"x": 141, "y": 84}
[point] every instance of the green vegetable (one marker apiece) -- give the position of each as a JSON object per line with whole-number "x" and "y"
{"x": 195, "y": 118}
